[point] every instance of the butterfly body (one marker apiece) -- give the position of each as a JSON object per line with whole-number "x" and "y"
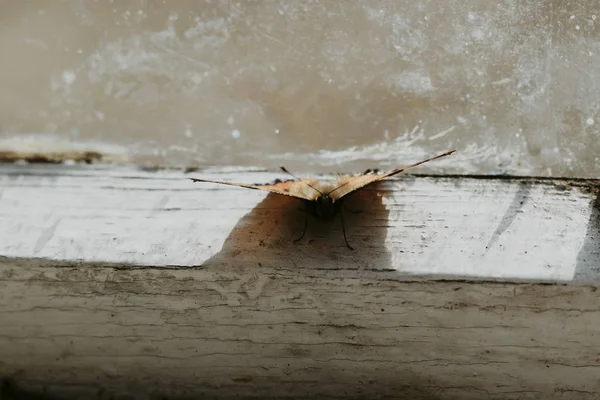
{"x": 324, "y": 207}
{"x": 324, "y": 200}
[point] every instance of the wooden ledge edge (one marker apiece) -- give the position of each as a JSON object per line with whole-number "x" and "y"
{"x": 27, "y": 264}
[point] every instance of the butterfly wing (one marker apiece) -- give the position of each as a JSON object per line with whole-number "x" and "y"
{"x": 286, "y": 188}
{"x": 355, "y": 183}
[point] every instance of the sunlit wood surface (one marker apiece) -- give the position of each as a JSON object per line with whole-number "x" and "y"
{"x": 145, "y": 283}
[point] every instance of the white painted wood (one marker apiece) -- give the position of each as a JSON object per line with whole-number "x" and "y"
{"x": 443, "y": 227}
{"x": 145, "y": 283}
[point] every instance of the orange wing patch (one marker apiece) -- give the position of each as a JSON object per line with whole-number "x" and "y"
{"x": 311, "y": 190}
{"x": 295, "y": 189}
{"x": 361, "y": 181}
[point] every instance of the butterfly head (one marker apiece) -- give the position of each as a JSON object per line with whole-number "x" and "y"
{"x": 324, "y": 207}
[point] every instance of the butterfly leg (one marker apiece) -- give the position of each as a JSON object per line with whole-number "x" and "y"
{"x": 304, "y": 230}
{"x": 344, "y": 231}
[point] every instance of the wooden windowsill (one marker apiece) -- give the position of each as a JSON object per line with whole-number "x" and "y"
{"x": 143, "y": 282}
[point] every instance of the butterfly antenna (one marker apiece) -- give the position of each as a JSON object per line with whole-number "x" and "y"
{"x": 300, "y": 179}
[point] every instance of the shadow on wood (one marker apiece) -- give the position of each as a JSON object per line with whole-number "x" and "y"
{"x": 588, "y": 258}
{"x": 110, "y": 388}
{"x": 266, "y": 235}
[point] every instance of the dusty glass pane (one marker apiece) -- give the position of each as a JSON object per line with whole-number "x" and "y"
{"x": 514, "y": 85}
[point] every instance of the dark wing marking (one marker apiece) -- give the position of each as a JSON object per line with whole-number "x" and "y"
{"x": 287, "y": 188}
{"x": 361, "y": 181}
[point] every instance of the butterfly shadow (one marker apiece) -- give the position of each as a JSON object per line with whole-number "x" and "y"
{"x": 266, "y": 236}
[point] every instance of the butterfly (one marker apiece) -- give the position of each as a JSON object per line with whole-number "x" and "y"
{"x": 323, "y": 200}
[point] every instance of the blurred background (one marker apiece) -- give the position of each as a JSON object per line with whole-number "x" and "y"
{"x": 324, "y": 86}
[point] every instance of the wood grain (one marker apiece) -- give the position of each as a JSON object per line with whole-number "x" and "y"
{"x": 428, "y": 226}
{"x": 120, "y": 281}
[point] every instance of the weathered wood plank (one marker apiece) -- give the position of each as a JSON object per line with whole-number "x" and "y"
{"x": 450, "y": 227}
{"x": 146, "y": 283}
{"x": 291, "y": 333}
